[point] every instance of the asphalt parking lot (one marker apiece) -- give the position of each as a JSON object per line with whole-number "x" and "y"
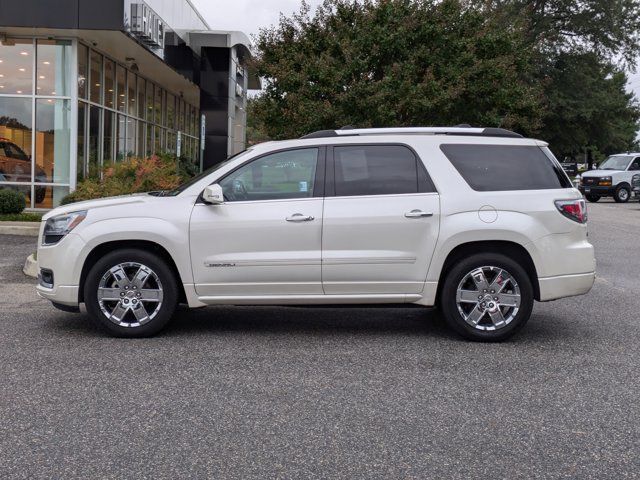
{"x": 262, "y": 392}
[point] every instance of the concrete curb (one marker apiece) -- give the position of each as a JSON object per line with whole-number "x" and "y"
{"x": 30, "y": 229}
{"x": 31, "y": 266}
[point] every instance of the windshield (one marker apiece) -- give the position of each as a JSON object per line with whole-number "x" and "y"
{"x": 200, "y": 176}
{"x": 615, "y": 162}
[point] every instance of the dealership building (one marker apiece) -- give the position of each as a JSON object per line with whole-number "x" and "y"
{"x": 88, "y": 82}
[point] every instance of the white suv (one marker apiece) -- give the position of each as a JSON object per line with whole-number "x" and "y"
{"x": 480, "y": 222}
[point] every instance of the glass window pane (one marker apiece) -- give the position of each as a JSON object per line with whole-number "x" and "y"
{"x": 109, "y": 83}
{"x": 121, "y": 138}
{"x": 80, "y": 144}
{"x": 131, "y": 137}
{"x": 489, "y": 168}
{"x": 158, "y": 105}
{"x": 49, "y": 197}
{"x": 53, "y": 140}
{"x": 109, "y": 126}
{"x": 149, "y": 140}
{"x": 140, "y": 150}
{"x": 141, "y": 97}
{"x": 171, "y": 102}
{"x": 149, "y": 101}
{"x": 15, "y": 139}
{"x": 95, "y": 117}
{"x": 157, "y": 140}
{"x": 16, "y": 67}
{"x": 375, "y": 170}
{"x": 131, "y": 97}
{"x": 83, "y": 70}
{"x": 96, "y": 77}
{"x": 283, "y": 175}
{"x": 54, "y": 67}
{"x": 122, "y": 94}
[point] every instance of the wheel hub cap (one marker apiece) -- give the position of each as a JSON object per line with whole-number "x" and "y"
{"x": 488, "y": 298}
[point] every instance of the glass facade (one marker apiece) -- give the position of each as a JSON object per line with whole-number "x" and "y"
{"x": 35, "y": 118}
{"x": 129, "y": 116}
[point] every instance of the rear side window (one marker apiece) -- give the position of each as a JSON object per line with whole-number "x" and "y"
{"x": 489, "y": 168}
{"x": 378, "y": 170}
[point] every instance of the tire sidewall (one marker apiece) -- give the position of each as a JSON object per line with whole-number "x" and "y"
{"x": 592, "y": 198}
{"x": 616, "y": 196}
{"x": 462, "y": 268}
{"x": 158, "y": 265}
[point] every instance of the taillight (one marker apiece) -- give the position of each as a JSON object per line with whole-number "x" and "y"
{"x": 575, "y": 210}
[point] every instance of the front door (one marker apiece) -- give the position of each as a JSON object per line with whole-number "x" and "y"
{"x": 265, "y": 239}
{"x": 381, "y": 221}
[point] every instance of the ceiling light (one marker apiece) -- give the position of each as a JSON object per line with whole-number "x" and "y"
{"x": 24, "y": 53}
{"x": 53, "y": 93}
{"x": 1, "y": 75}
{"x": 19, "y": 91}
{"x": 97, "y": 84}
{"x": 46, "y": 63}
{"x": 41, "y": 77}
{"x": 22, "y": 69}
{"x": 1, "y": 86}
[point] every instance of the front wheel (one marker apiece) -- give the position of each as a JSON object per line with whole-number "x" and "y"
{"x": 592, "y": 198}
{"x": 622, "y": 194}
{"x": 487, "y": 297}
{"x": 131, "y": 293}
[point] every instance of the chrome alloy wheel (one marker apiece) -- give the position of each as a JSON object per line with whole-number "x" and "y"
{"x": 488, "y": 298}
{"x": 130, "y": 294}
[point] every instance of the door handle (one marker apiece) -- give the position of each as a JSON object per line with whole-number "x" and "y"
{"x": 298, "y": 217}
{"x": 418, "y": 214}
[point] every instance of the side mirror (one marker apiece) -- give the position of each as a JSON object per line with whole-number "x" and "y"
{"x": 213, "y": 194}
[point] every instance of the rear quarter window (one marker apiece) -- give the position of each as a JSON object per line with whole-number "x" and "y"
{"x": 490, "y": 168}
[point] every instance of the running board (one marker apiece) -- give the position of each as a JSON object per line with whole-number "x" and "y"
{"x": 310, "y": 299}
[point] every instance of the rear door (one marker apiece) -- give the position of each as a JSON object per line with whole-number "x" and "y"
{"x": 381, "y": 220}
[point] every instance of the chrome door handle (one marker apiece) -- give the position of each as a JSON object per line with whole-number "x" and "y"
{"x": 417, "y": 214}
{"x": 298, "y": 217}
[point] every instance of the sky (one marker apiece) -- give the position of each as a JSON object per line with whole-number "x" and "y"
{"x": 249, "y": 16}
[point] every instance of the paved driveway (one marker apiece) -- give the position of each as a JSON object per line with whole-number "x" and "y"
{"x": 261, "y": 392}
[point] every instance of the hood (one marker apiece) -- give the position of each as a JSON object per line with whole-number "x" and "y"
{"x": 600, "y": 173}
{"x": 101, "y": 203}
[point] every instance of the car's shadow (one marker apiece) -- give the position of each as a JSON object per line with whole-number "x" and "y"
{"x": 318, "y": 321}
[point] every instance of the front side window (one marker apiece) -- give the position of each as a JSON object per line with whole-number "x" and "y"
{"x": 378, "y": 170}
{"x": 283, "y": 175}
{"x": 496, "y": 168}
{"x": 635, "y": 165}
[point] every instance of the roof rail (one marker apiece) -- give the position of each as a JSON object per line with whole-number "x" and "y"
{"x": 458, "y": 130}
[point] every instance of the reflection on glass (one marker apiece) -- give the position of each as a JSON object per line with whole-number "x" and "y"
{"x": 109, "y": 125}
{"x": 53, "y": 73}
{"x": 131, "y": 97}
{"x": 82, "y": 118}
{"x": 53, "y": 132}
{"x": 141, "y": 97}
{"x": 16, "y": 67}
{"x": 122, "y": 93}
{"x": 25, "y": 190}
{"x": 149, "y": 140}
{"x": 50, "y": 197}
{"x": 121, "y": 137}
{"x": 109, "y": 83}
{"x": 94, "y": 141}
{"x": 83, "y": 70}
{"x": 171, "y": 112}
{"x": 157, "y": 140}
{"x": 15, "y": 139}
{"x": 131, "y": 137}
{"x": 96, "y": 77}
{"x": 149, "y": 114}
{"x": 158, "y": 105}
{"x": 141, "y": 138}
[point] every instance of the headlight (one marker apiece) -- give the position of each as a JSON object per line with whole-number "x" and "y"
{"x": 605, "y": 181}
{"x": 57, "y": 227}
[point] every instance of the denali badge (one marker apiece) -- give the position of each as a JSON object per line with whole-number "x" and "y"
{"x": 209, "y": 264}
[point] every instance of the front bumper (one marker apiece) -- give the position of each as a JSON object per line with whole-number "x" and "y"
{"x": 597, "y": 190}
{"x": 65, "y": 260}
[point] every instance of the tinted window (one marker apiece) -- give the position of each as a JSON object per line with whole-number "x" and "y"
{"x": 281, "y": 175}
{"x": 378, "y": 170}
{"x": 505, "y": 167}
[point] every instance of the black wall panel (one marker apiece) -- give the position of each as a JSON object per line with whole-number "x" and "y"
{"x": 76, "y": 14}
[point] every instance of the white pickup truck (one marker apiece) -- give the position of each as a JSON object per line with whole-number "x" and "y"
{"x": 612, "y": 178}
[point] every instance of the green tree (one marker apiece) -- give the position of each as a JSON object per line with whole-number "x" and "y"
{"x": 380, "y": 63}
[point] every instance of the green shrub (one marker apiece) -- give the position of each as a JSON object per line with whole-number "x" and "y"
{"x": 11, "y": 201}
{"x": 134, "y": 175}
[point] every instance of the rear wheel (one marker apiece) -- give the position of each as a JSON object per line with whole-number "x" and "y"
{"x": 487, "y": 297}
{"x": 592, "y": 198}
{"x": 131, "y": 293}
{"x": 622, "y": 194}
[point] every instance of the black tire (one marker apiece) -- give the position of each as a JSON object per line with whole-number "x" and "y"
{"x": 165, "y": 278}
{"x": 622, "y": 195}
{"x": 592, "y": 198}
{"x": 459, "y": 271}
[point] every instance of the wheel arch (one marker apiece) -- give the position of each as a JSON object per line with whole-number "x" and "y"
{"x": 149, "y": 246}
{"x": 511, "y": 249}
